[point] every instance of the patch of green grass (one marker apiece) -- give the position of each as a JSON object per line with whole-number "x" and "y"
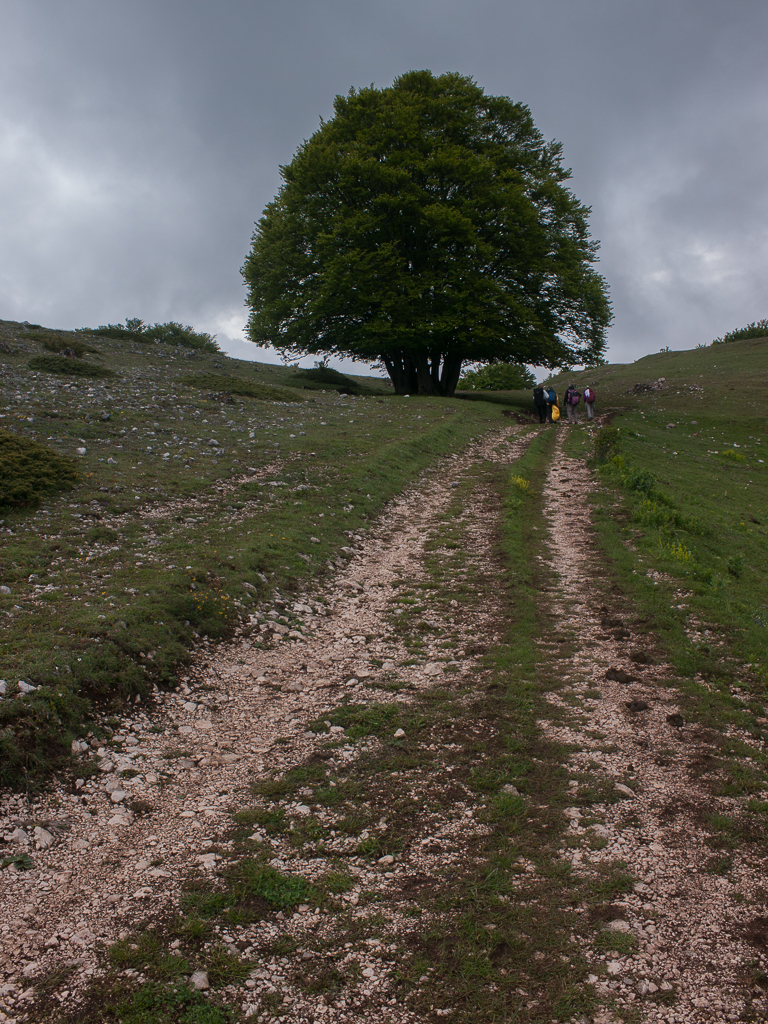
{"x": 359, "y": 720}
{"x": 154, "y": 1003}
{"x": 69, "y": 367}
{"x": 220, "y": 382}
{"x": 623, "y": 943}
{"x": 21, "y": 861}
{"x": 147, "y": 953}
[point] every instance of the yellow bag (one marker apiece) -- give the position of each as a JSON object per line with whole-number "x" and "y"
{"x": 555, "y": 414}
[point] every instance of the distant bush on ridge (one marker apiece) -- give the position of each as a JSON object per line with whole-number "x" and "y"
{"x": 497, "y": 377}
{"x": 759, "y": 329}
{"x": 170, "y": 333}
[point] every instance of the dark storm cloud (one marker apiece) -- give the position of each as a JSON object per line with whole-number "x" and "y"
{"x": 141, "y": 140}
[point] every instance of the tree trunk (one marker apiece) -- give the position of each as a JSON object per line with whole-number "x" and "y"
{"x": 402, "y": 373}
{"x": 422, "y": 374}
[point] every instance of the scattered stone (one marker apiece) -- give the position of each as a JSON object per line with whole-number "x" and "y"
{"x": 510, "y": 789}
{"x": 43, "y": 838}
{"x": 618, "y": 675}
{"x": 636, "y": 705}
{"x": 623, "y": 789}
{"x": 199, "y": 981}
{"x": 641, "y": 658}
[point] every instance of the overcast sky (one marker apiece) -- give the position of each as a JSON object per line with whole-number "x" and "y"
{"x": 141, "y": 139}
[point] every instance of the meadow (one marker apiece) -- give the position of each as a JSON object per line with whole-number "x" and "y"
{"x": 157, "y": 502}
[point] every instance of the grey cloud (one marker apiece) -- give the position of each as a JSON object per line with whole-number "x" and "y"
{"x": 139, "y": 142}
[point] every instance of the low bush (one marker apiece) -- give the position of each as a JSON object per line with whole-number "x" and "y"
{"x": 497, "y": 377}
{"x": 29, "y": 471}
{"x": 757, "y": 329}
{"x": 328, "y": 379}
{"x": 58, "y": 342}
{"x": 170, "y": 333}
{"x": 220, "y": 382}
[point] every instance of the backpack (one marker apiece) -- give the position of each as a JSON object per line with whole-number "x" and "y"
{"x": 551, "y": 396}
{"x": 589, "y": 396}
{"x": 538, "y": 396}
{"x": 575, "y": 397}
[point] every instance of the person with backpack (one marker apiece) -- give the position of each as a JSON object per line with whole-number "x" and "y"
{"x": 540, "y": 402}
{"x": 551, "y": 398}
{"x": 572, "y": 399}
{"x": 589, "y": 402}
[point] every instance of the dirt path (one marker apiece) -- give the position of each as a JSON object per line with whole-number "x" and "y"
{"x": 116, "y": 854}
{"x": 692, "y": 926}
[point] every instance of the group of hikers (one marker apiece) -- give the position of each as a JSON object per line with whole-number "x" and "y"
{"x": 547, "y": 403}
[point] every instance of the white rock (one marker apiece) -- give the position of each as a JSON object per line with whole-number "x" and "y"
{"x": 624, "y": 789}
{"x": 388, "y": 666}
{"x": 399, "y": 733}
{"x": 199, "y": 980}
{"x": 81, "y": 451}
{"x": 386, "y": 860}
{"x": 618, "y": 926}
{"x": 43, "y": 838}
{"x": 432, "y": 668}
{"x": 573, "y": 813}
{"x": 510, "y": 789}
{"x": 117, "y": 796}
{"x": 614, "y": 967}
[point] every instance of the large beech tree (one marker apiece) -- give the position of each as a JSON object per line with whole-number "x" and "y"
{"x": 424, "y": 226}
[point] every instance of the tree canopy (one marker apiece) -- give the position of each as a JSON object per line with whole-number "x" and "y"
{"x": 427, "y": 225}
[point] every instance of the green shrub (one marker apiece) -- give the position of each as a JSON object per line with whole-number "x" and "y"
{"x": 328, "y": 379}
{"x": 607, "y": 442}
{"x": 71, "y": 367}
{"x": 57, "y": 342}
{"x": 497, "y": 377}
{"x": 758, "y": 329}
{"x": 170, "y": 333}
{"x": 29, "y": 470}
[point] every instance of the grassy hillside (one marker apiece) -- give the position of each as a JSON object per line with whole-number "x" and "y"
{"x": 687, "y": 452}
{"x": 154, "y": 499}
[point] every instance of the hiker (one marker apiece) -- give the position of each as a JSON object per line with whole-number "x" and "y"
{"x": 540, "y": 402}
{"x": 589, "y": 402}
{"x": 551, "y": 396}
{"x": 572, "y": 399}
